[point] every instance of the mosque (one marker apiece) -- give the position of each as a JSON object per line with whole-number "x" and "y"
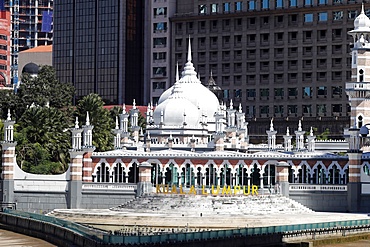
{"x": 194, "y": 143}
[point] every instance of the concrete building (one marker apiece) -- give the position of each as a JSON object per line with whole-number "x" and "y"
{"x": 282, "y": 59}
{"x": 99, "y": 48}
{"x": 5, "y": 58}
{"x": 40, "y": 55}
{"x": 31, "y": 26}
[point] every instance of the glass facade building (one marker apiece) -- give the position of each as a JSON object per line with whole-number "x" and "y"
{"x": 98, "y": 47}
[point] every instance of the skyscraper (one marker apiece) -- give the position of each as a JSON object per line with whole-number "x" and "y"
{"x": 283, "y": 59}
{"x": 27, "y": 22}
{"x": 99, "y": 47}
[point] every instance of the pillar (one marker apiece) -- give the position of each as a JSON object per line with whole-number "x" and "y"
{"x": 8, "y": 161}
{"x": 282, "y": 178}
{"x": 144, "y": 187}
{"x": 354, "y": 180}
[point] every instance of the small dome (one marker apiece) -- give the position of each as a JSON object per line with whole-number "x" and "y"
{"x": 362, "y": 21}
{"x": 31, "y": 68}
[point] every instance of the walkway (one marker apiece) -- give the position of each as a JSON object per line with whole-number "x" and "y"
{"x": 8, "y": 238}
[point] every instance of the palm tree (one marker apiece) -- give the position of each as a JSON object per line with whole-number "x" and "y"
{"x": 100, "y": 118}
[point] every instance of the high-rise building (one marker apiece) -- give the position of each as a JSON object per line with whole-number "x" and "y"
{"x": 5, "y": 57}
{"x": 283, "y": 59}
{"x": 31, "y": 26}
{"x": 99, "y": 47}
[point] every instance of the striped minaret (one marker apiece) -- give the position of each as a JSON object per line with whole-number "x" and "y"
{"x": 358, "y": 91}
{"x": 76, "y": 157}
{"x": 8, "y": 160}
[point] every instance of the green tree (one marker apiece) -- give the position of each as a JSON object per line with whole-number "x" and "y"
{"x": 8, "y": 100}
{"x": 100, "y": 118}
{"x": 42, "y": 130}
{"x": 42, "y": 90}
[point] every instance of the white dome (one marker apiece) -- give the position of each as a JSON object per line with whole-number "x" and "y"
{"x": 189, "y": 87}
{"x": 362, "y": 22}
{"x": 173, "y": 110}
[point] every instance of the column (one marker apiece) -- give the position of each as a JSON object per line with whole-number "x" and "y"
{"x": 282, "y": 178}
{"x": 354, "y": 180}
{"x": 144, "y": 187}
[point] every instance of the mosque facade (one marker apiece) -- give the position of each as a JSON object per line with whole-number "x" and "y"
{"x": 193, "y": 142}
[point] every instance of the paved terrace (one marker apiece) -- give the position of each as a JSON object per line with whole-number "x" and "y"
{"x": 200, "y": 212}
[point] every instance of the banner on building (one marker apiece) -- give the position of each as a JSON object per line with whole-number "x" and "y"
{"x": 47, "y": 21}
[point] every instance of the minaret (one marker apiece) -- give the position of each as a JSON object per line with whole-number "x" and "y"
{"x": 8, "y": 160}
{"x": 358, "y": 91}
{"x": 135, "y": 128}
{"x": 76, "y": 157}
{"x": 124, "y": 124}
{"x": 359, "y": 87}
{"x": 231, "y": 126}
{"x": 287, "y": 141}
{"x": 88, "y": 149}
{"x": 299, "y": 134}
{"x": 271, "y": 133}
{"x": 219, "y": 134}
{"x": 117, "y": 138}
{"x": 311, "y": 141}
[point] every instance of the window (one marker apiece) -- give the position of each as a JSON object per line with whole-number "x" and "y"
{"x": 202, "y": 25}
{"x": 160, "y": 12}
{"x": 159, "y": 42}
{"x": 265, "y": 37}
{"x": 307, "y": 91}
{"x": 202, "y": 9}
{"x": 159, "y": 56}
{"x": 226, "y": 7}
{"x": 279, "y": 3}
{"x": 159, "y": 85}
{"x": 251, "y": 93}
{"x": 321, "y": 91}
{"x": 307, "y": 35}
{"x": 251, "y": 65}
{"x": 321, "y": 109}
{"x": 323, "y": 1}
{"x": 336, "y": 108}
{"x": 252, "y": 5}
{"x": 337, "y": 15}
{"x": 3, "y": 57}
{"x": 226, "y": 94}
{"x": 307, "y": 2}
{"x": 159, "y": 71}
{"x": 293, "y": 3}
{"x": 307, "y": 109}
{"x": 237, "y": 93}
{"x": 308, "y": 18}
{"x": 160, "y": 26}
{"x": 279, "y": 37}
{"x": 214, "y": 8}
{"x": 352, "y": 14}
{"x": 265, "y": 4}
{"x": 292, "y": 109}
{"x": 279, "y": 109}
{"x": 292, "y": 92}
{"x": 264, "y": 109}
{"x": 337, "y": 91}
{"x": 238, "y": 6}
{"x": 264, "y": 92}
{"x": 279, "y": 92}
{"x": 323, "y": 16}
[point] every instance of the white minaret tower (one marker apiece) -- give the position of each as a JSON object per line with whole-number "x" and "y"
{"x": 358, "y": 89}
{"x": 271, "y": 133}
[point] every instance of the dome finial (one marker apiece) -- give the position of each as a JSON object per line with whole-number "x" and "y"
{"x": 362, "y": 8}
{"x": 272, "y": 124}
{"x": 123, "y": 109}
{"x": 177, "y": 72}
{"x": 311, "y": 131}
{"x": 287, "y": 131}
{"x": 117, "y": 125}
{"x": 134, "y": 104}
{"x": 189, "y": 50}
{"x": 76, "y": 123}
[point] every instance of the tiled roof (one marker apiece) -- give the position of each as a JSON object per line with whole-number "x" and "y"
{"x": 41, "y": 48}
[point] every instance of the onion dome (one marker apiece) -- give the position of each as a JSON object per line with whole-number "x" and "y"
{"x": 362, "y": 22}
{"x": 31, "y": 68}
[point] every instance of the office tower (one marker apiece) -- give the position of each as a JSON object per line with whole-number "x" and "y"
{"x": 98, "y": 47}
{"x": 286, "y": 60}
{"x": 31, "y": 23}
{"x": 5, "y": 57}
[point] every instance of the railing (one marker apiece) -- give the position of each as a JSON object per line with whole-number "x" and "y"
{"x": 317, "y": 187}
{"x": 80, "y": 229}
{"x": 109, "y": 186}
{"x": 285, "y": 230}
